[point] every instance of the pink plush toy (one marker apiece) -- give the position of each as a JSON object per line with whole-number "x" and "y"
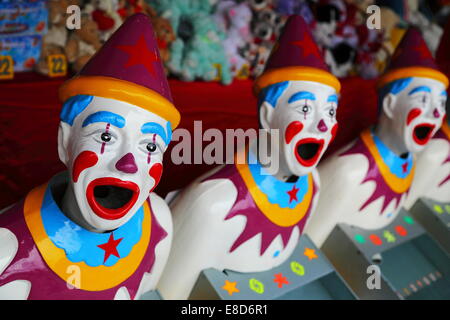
{"x": 234, "y": 20}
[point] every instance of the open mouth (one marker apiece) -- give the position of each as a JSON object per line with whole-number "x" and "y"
{"x": 422, "y": 133}
{"x": 307, "y": 151}
{"x": 111, "y": 198}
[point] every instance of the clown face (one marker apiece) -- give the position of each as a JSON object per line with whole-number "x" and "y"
{"x": 416, "y": 111}
{"x": 305, "y": 115}
{"x": 114, "y": 152}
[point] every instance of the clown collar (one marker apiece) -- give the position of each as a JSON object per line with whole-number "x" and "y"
{"x": 396, "y": 171}
{"x": 283, "y": 203}
{"x": 106, "y": 258}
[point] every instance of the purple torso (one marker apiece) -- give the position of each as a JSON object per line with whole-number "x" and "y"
{"x": 29, "y": 265}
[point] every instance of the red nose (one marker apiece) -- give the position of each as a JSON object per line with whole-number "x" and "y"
{"x": 322, "y": 126}
{"x": 127, "y": 164}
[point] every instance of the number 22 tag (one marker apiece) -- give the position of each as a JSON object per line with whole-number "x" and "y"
{"x": 57, "y": 65}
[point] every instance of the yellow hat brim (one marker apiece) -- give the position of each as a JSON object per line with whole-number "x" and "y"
{"x": 408, "y": 72}
{"x": 121, "y": 90}
{"x": 296, "y": 74}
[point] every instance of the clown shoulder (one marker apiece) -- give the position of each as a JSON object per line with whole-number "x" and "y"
{"x": 365, "y": 184}
{"x": 241, "y": 216}
{"x": 97, "y": 231}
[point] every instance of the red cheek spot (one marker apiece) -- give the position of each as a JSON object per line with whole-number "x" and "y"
{"x": 85, "y": 159}
{"x": 155, "y": 172}
{"x": 334, "y": 132}
{"x": 414, "y": 113}
{"x": 292, "y": 129}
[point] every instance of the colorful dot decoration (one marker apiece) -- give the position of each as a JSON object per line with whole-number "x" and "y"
{"x": 408, "y": 220}
{"x": 401, "y": 231}
{"x": 256, "y": 285}
{"x": 438, "y": 209}
{"x": 375, "y": 240}
{"x": 360, "y": 238}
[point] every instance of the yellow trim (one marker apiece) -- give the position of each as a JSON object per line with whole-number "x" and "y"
{"x": 421, "y": 72}
{"x": 283, "y": 217}
{"x": 398, "y": 185}
{"x": 91, "y": 278}
{"x": 122, "y": 90}
{"x": 296, "y": 73}
{"x": 446, "y": 130}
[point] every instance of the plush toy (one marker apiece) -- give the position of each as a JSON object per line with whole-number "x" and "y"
{"x": 83, "y": 43}
{"x": 105, "y": 14}
{"x": 164, "y": 35}
{"x": 266, "y": 26}
{"x": 197, "y": 52}
{"x": 54, "y": 41}
{"x": 234, "y": 20}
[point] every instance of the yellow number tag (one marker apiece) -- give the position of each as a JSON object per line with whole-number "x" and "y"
{"x": 244, "y": 72}
{"x": 6, "y": 67}
{"x": 57, "y": 65}
{"x": 219, "y": 72}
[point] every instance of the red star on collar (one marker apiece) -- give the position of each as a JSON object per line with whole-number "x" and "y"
{"x": 293, "y": 194}
{"x": 139, "y": 54}
{"x": 110, "y": 247}
{"x": 405, "y": 167}
{"x": 307, "y": 45}
{"x": 280, "y": 280}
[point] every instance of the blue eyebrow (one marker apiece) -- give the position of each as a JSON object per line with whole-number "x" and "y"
{"x": 444, "y": 93}
{"x": 153, "y": 127}
{"x": 105, "y": 116}
{"x": 302, "y": 95}
{"x": 419, "y": 89}
{"x": 332, "y": 98}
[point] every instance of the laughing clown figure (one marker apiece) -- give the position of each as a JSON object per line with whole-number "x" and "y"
{"x": 433, "y": 163}
{"x": 97, "y": 231}
{"x": 366, "y": 183}
{"x": 239, "y": 217}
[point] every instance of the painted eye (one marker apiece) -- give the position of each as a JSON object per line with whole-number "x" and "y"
{"x": 151, "y": 147}
{"x": 305, "y": 109}
{"x": 332, "y": 112}
{"x": 106, "y": 137}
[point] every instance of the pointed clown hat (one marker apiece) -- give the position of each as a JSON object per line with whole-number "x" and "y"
{"x": 295, "y": 57}
{"x": 127, "y": 68}
{"x": 412, "y": 58}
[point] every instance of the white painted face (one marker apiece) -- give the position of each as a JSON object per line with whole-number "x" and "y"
{"x": 305, "y": 115}
{"x": 416, "y": 111}
{"x": 114, "y": 154}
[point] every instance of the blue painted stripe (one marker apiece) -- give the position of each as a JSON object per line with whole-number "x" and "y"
{"x": 105, "y": 116}
{"x": 153, "y": 127}
{"x": 332, "y": 98}
{"x": 420, "y": 89}
{"x": 301, "y": 96}
{"x": 444, "y": 93}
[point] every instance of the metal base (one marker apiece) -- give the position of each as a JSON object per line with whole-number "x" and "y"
{"x": 307, "y": 274}
{"x": 412, "y": 264}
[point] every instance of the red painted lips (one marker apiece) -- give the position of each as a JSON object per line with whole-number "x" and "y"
{"x": 422, "y": 133}
{"x": 111, "y": 198}
{"x": 308, "y": 151}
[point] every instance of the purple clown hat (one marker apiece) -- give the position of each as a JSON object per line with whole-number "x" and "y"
{"x": 127, "y": 68}
{"x": 296, "y": 57}
{"x": 411, "y": 58}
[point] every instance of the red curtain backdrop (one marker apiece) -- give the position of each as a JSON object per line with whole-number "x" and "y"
{"x": 29, "y": 117}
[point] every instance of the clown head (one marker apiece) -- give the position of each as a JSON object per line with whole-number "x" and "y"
{"x": 298, "y": 96}
{"x": 304, "y": 112}
{"x": 116, "y": 123}
{"x": 113, "y": 151}
{"x": 412, "y": 95}
{"x": 416, "y": 107}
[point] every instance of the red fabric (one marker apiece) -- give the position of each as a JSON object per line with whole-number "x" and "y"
{"x": 29, "y": 117}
